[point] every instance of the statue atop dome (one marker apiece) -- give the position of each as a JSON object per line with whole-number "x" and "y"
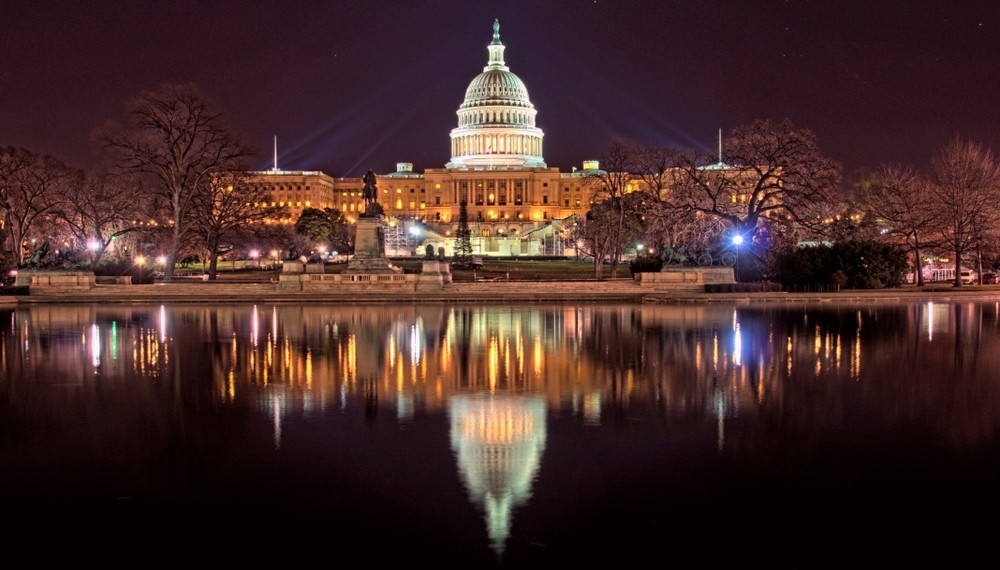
{"x": 496, "y": 31}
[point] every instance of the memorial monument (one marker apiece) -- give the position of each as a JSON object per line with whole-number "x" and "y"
{"x": 369, "y": 241}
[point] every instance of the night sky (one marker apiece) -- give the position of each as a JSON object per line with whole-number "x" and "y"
{"x": 355, "y": 85}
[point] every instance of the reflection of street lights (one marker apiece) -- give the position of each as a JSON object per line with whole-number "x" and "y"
{"x": 737, "y": 241}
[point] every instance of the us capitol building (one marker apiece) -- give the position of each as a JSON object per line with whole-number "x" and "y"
{"x": 515, "y": 203}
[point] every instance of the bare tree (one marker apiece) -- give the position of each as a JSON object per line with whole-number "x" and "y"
{"x": 603, "y": 232}
{"x": 98, "y": 207}
{"x": 965, "y": 186}
{"x": 766, "y": 169}
{"x": 230, "y": 203}
{"x": 177, "y": 137}
{"x": 29, "y": 193}
{"x": 611, "y": 183}
{"x": 898, "y": 198}
{"x": 594, "y": 234}
{"x": 653, "y": 167}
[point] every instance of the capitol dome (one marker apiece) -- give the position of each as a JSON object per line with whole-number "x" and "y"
{"x": 496, "y": 121}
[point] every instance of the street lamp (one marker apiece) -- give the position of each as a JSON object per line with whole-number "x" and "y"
{"x": 737, "y": 242}
{"x": 93, "y": 246}
{"x": 255, "y": 255}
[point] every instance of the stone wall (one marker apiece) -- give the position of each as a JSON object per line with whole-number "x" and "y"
{"x": 688, "y": 279}
{"x": 44, "y": 282}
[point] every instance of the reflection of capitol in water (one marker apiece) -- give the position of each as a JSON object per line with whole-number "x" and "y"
{"x": 498, "y": 373}
{"x": 408, "y": 359}
{"x": 501, "y": 433}
{"x": 498, "y": 440}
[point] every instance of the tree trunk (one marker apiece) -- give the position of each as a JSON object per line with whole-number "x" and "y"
{"x": 175, "y": 246}
{"x": 213, "y": 259}
{"x": 918, "y": 264}
{"x": 958, "y": 268}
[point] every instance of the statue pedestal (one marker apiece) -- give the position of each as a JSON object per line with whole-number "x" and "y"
{"x": 369, "y": 249}
{"x": 434, "y": 275}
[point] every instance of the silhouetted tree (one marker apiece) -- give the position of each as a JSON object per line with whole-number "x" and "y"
{"x": 231, "y": 205}
{"x": 463, "y": 241}
{"x": 612, "y": 183}
{"x": 327, "y": 227}
{"x": 764, "y": 169}
{"x": 98, "y": 207}
{"x": 965, "y": 190}
{"x": 176, "y": 137}
{"x": 899, "y": 200}
{"x": 30, "y": 191}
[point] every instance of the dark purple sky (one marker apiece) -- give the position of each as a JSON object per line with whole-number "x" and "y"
{"x": 347, "y": 86}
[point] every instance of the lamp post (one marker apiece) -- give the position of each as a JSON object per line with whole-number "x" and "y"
{"x": 737, "y": 242}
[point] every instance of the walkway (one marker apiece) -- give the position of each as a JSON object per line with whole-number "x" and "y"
{"x": 584, "y": 291}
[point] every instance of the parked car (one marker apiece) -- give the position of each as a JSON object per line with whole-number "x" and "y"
{"x": 990, "y": 278}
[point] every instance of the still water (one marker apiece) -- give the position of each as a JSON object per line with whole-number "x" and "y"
{"x": 502, "y": 436}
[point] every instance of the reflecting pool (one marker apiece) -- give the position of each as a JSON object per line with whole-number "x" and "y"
{"x": 502, "y": 436}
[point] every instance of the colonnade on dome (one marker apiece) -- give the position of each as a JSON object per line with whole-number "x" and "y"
{"x": 498, "y": 147}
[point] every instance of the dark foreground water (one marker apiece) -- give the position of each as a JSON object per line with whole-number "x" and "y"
{"x": 501, "y": 436}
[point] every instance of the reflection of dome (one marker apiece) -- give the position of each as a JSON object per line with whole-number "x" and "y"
{"x": 498, "y": 442}
{"x": 496, "y": 122}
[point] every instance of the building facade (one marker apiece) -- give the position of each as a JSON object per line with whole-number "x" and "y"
{"x": 515, "y": 203}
